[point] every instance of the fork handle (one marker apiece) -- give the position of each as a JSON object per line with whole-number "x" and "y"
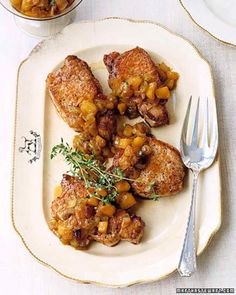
{"x": 187, "y": 263}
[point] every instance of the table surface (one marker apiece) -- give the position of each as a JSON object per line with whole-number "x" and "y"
{"x": 19, "y": 273}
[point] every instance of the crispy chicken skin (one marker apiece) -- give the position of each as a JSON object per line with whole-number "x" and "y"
{"x": 164, "y": 170}
{"x": 136, "y": 62}
{"x": 79, "y": 220}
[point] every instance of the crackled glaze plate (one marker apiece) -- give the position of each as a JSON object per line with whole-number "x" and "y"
{"x": 38, "y": 127}
{"x": 217, "y": 17}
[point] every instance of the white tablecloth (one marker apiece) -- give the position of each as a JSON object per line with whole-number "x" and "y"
{"x": 22, "y": 275}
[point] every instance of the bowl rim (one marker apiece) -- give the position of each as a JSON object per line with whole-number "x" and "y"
{"x": 21, "y": 15}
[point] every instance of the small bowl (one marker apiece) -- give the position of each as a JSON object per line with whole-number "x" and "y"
{"x": 42, "y": 27}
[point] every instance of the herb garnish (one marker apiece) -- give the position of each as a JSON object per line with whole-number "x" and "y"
{"x": 52, "y": 2}
{"x": 154, "y": 196}
{"x": 88, "y": 169}
{"x": 150, "y": 187}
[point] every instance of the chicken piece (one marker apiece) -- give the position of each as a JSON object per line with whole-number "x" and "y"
{"x": 75, "y": 219}
{"x": 122, "y": 226}
{"x": 163, "y": 174}
{"x": 69, "y": 86}
{"x": 71, "y": 189}
{"x": 136, "y": 63}
{"x": 75, "y": 222}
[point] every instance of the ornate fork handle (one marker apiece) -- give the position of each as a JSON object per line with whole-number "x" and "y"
{"x": 187, "y": 264}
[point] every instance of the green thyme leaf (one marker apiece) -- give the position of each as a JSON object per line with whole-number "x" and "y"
{"x": 119, "y": 173}
{"x": 52, "y": 2}
{"x": 150, "y": 187}
{"x": 155, "y": 197}
{"x": 87, "y": 168}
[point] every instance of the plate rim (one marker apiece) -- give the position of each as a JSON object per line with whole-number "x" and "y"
{"x": 203, "y": 28}
{"x": 134, "y": 282}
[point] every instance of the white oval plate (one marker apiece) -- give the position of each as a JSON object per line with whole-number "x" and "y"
{"x": 35, "y": 176}
{"x": 217, "y": 17}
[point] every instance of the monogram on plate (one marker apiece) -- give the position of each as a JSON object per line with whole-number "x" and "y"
{"x": 32, "y": 146}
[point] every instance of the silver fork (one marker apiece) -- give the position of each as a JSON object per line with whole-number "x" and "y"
{"x": 197, "y": 158}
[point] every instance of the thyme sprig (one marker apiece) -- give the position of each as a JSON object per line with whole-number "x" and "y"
{"x": 88, "y": 168}
{"x": 154, "y": 196}
{"x": 52, "y": 2}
